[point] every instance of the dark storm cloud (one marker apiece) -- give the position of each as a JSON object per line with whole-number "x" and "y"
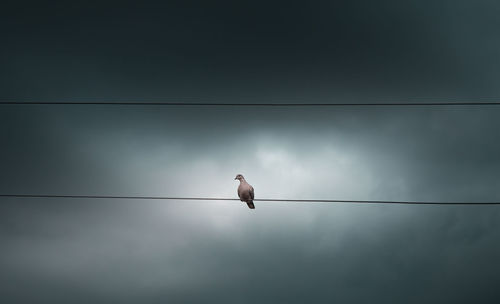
{"x": 189, "y": 252}
{"x": 256, "y": 50}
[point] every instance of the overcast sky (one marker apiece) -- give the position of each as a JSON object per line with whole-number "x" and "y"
{"x": 103, "y": 251}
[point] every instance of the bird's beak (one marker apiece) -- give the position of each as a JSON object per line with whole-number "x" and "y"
{"x": 235, "y": 178}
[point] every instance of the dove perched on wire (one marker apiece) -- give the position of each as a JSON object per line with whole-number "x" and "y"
{"x": 245, "y": 191}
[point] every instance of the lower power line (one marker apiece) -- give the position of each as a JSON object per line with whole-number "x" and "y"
{"x": 56, "y": 196}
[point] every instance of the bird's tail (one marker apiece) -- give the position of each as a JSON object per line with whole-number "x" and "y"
{"x": 250, "y": 205}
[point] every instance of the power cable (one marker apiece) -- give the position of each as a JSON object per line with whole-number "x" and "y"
{"x": 56, "y": 196}
{"x": 201, "y": 104}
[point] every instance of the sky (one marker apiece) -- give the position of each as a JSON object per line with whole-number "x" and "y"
{"x": 103, "y": 251}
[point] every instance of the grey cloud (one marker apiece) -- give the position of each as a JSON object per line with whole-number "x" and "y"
{"x": 59, "y": 251}
{"x": 189, "y": 252}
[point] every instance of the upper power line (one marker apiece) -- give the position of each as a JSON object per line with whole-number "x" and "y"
{"x": 58, "y": 196}
{"x": 217, "y": 104}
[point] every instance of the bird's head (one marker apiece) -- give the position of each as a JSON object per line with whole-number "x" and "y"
{"x": 239, "y": 177}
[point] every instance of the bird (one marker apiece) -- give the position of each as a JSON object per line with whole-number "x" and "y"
{"x": 245, "y": 191}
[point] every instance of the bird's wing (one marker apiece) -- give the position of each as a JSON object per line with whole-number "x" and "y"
{"x": 251, "y": 192}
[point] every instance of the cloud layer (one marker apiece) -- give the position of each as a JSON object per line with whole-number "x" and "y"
{"x": 101, "y": 251}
